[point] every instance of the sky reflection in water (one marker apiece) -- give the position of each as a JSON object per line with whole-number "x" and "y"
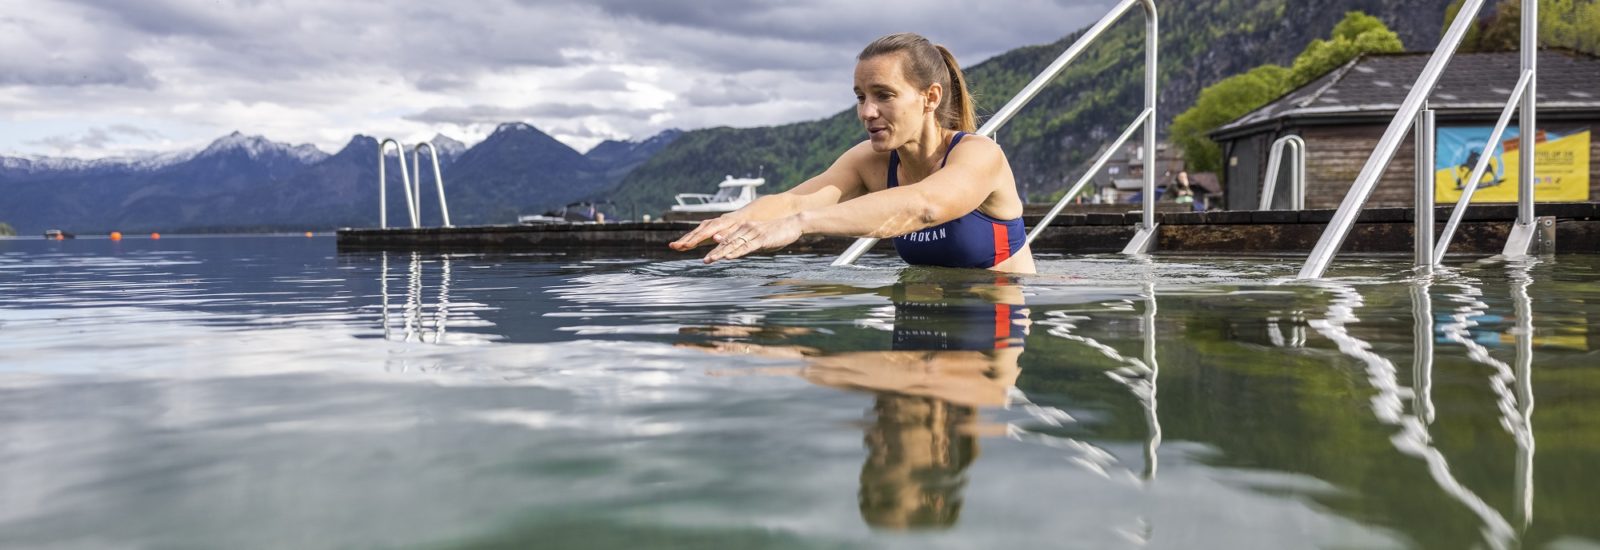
{"x": 271, "y": 392}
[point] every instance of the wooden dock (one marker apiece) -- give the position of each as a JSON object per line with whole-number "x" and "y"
{"x": 1565, "y": 228}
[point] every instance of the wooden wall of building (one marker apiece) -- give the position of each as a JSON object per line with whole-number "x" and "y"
{"x": 1336, "y": 154}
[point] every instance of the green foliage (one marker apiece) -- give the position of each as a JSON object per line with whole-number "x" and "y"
{"x": 1050, "y": 141}
{"x": 6, "y": 230}
{"x": 1573, "y": 24}
{"x": 1570, "y": 24}
{"x": 1357, "y": 34}
{"x": 1220, "y": 103}
{"x": 1236, "y": 96}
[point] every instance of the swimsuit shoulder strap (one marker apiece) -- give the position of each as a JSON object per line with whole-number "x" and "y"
{"x": 953, "y": 142}
{"x": 894, "y": 166}
{"x": 894, "y": 160}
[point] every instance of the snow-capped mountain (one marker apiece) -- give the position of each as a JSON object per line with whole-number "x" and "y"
{"x": 449, "y": 148}
{"x": 241, "y": 182}
{"x": 252, "y": 147}
{"x": 41, "y": 165}
{"x": 257, "y": 147}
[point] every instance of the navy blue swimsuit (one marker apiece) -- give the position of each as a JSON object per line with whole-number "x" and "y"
{"x": 959, "y": 325}
{"x": 973, "y": 240}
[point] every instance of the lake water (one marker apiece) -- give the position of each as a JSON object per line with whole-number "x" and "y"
{"x": 271, "y": 392}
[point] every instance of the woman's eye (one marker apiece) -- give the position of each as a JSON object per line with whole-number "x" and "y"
{"x": 885, "y": 97}
{"x": 860, "y": 98}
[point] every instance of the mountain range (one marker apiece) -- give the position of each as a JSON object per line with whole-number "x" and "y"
{"x": 1050, "y": 141}
{"x": 249, "y": 183}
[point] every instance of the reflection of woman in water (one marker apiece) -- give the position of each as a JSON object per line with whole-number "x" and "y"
{"x": 952, "y": 352}
{"x": 918, "y": 450}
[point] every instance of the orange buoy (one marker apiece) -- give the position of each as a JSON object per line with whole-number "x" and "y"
{"x": 155, "y": 236}
{"x": 308, "y": 234}
{"x": 116, "y": 235}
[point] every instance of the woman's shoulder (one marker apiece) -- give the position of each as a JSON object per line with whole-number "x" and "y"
{"x": 976, "y": 147}
{"x": 868, "y": 165}
{"x": 862, "y": 154}
{"x": 973, "y": 140}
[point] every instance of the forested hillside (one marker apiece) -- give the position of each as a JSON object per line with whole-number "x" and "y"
{"x": 1202, "y": 42}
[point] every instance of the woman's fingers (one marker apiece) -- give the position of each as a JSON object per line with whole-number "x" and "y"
{"x": 693, "y": 238}
{"x": 732, "y": 247}
{"x": 750, "y": 237}
{"x": 708, "y": 229}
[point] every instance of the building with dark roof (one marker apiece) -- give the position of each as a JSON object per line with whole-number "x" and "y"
{"x": 1341, "y": 116}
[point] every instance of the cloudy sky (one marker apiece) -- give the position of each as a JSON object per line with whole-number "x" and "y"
{"x": 101, "y": 78}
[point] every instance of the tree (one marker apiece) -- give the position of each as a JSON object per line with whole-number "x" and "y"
{"x": 1220, "y": 103}
{"x": 1573, "y": 24}
{"x": 6, "y": 230}
{"x": 1357, "y": 34}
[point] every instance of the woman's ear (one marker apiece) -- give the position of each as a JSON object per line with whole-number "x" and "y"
{"x": 932, "y": 97}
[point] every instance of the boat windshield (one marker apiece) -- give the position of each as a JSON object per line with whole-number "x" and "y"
{"x": 726, "y": 194}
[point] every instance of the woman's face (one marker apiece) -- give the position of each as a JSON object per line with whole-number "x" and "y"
{"x": 892, "y": 108}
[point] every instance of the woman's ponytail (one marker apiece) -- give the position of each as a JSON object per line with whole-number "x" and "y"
{"x": 957, "y": 112}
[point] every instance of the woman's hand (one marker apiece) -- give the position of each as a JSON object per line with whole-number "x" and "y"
{"x": 713, "y": 229}
{"x": 744, "y": 238}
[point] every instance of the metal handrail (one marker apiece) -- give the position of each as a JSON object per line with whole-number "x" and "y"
{"x": 1093, "y": 168}
{"x": 1526, "y": 124}
{"x": 1422, "y": 201}
{"x": 1142, "y": 240}
{"x": 1332, "y": 238}
{"x": 438, "y": 179}
{"x": 1297, "y": 176}
{"x": 1482, "y": 166}
{"x": 405, "y": 181}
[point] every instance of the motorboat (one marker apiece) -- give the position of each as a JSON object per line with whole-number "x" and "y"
{"x": 732, "y": 194}
{"x": 578, "y": 212}
{"x": 57, "y": 234}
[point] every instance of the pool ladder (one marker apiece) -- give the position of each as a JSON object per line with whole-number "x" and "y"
{"x": 1414, "y": 113}
{"x": 413, "y": 190}
{"x": 1296, "y": 148}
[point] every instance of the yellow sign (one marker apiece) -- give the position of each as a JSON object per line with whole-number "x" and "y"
{"x": 1561, "y": 171}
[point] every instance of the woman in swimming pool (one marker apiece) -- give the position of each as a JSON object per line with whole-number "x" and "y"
{"x": 944, "y": 205}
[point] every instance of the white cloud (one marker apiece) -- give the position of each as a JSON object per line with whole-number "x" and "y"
{"x": 318, "y": 71}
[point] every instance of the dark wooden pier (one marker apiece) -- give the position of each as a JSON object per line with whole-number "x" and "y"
{"x": 1564, "y": 228}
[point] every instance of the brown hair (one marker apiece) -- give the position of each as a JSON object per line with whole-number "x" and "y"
{"x": 928, "y": 64}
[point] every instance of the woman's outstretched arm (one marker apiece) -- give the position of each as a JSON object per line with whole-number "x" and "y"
{"x": 840, "y": 182}
{"x": 961, "y": 187}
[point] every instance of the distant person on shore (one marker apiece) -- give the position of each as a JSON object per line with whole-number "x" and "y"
{"x": 1185, "y": 192}
{"x": 942, "y": 204}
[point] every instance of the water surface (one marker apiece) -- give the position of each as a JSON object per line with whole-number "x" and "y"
{"x": 271, "y": 392}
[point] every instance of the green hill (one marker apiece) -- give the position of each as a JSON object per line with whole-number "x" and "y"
{"x": 1202, "y": 42}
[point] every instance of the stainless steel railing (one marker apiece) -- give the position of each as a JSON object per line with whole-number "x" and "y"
{"x": 1483, "y": 164}
{"x": 438, "y": 178}
{"x": 383, "y": 183}
{"x": 1297, "y": 173}
{"x": 1144, "y": 237}
{"x": 412, "y": 188}
{"x": 1422, "y": 241}
{"x": 1521, "y": 237}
